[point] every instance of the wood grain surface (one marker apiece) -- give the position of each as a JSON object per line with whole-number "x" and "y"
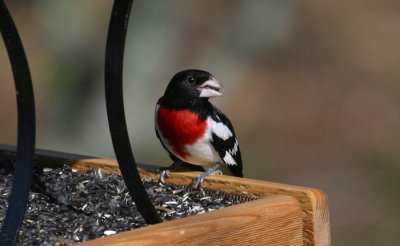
{"x": 314, "y": 204}
{"x": 315, "y": 228}
{"x": 275, "y": 220}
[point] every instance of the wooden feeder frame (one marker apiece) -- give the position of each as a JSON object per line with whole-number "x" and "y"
{"x": 281, "y": 215}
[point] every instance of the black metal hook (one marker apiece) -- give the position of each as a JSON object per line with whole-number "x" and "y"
{"x": 116, "y": 113}
{"x": 26, "y": 129}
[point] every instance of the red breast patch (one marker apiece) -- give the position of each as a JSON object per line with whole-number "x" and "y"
{"x": 180, "y": 127}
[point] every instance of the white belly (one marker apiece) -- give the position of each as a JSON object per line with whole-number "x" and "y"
{"x": 202, "y": 153}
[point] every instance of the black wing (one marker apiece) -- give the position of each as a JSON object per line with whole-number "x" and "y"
{"x": 225, "y": 142}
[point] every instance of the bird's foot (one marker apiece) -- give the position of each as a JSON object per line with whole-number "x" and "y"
{"x": 164, "y": 174}
{"x": 198, "y": 180}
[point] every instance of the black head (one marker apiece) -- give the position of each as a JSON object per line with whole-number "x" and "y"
{"x": 193, "y": 84}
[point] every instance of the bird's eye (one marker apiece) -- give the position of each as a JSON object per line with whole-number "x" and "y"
{"x": 191, "y": 80}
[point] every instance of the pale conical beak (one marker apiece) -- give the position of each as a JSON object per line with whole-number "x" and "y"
{"x": 211, "y": 88}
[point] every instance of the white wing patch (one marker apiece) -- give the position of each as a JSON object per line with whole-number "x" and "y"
{"x": 235, "y": 148}
{"x": 220, "y": 129}
{"x": 228, "y": 159}
{"x": 223, "y": 132}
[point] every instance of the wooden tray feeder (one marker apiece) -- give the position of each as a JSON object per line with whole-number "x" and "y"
{"x": 281, "y": 215}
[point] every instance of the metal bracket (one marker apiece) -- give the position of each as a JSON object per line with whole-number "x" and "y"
{"x": 116, "y": 113}
{"x": 23, "y": 170}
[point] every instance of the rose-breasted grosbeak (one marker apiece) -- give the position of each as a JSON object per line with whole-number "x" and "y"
{"x": 192, "y": 130}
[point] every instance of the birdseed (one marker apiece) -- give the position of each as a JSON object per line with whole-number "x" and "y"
{"x": 66, "y": 206}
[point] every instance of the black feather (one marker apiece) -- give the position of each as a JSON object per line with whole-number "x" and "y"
{"x": 183, "y": 93}
{"x": 221, "y": 146}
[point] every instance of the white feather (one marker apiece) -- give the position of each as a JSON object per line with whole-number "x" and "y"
{"x": 202, "y": 152}
{"x": 220, "y": 129}
{"x": 235, "y": 148}
{"x": 229, "y": 159}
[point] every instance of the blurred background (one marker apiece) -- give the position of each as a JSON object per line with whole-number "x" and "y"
{"x": 311, "y": 87}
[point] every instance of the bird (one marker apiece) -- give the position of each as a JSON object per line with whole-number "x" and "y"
{"x": 195, "y": 133}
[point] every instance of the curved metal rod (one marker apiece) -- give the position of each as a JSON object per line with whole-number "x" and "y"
{"x": 26, "y": 129}
{"x": 115, "y": 110}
